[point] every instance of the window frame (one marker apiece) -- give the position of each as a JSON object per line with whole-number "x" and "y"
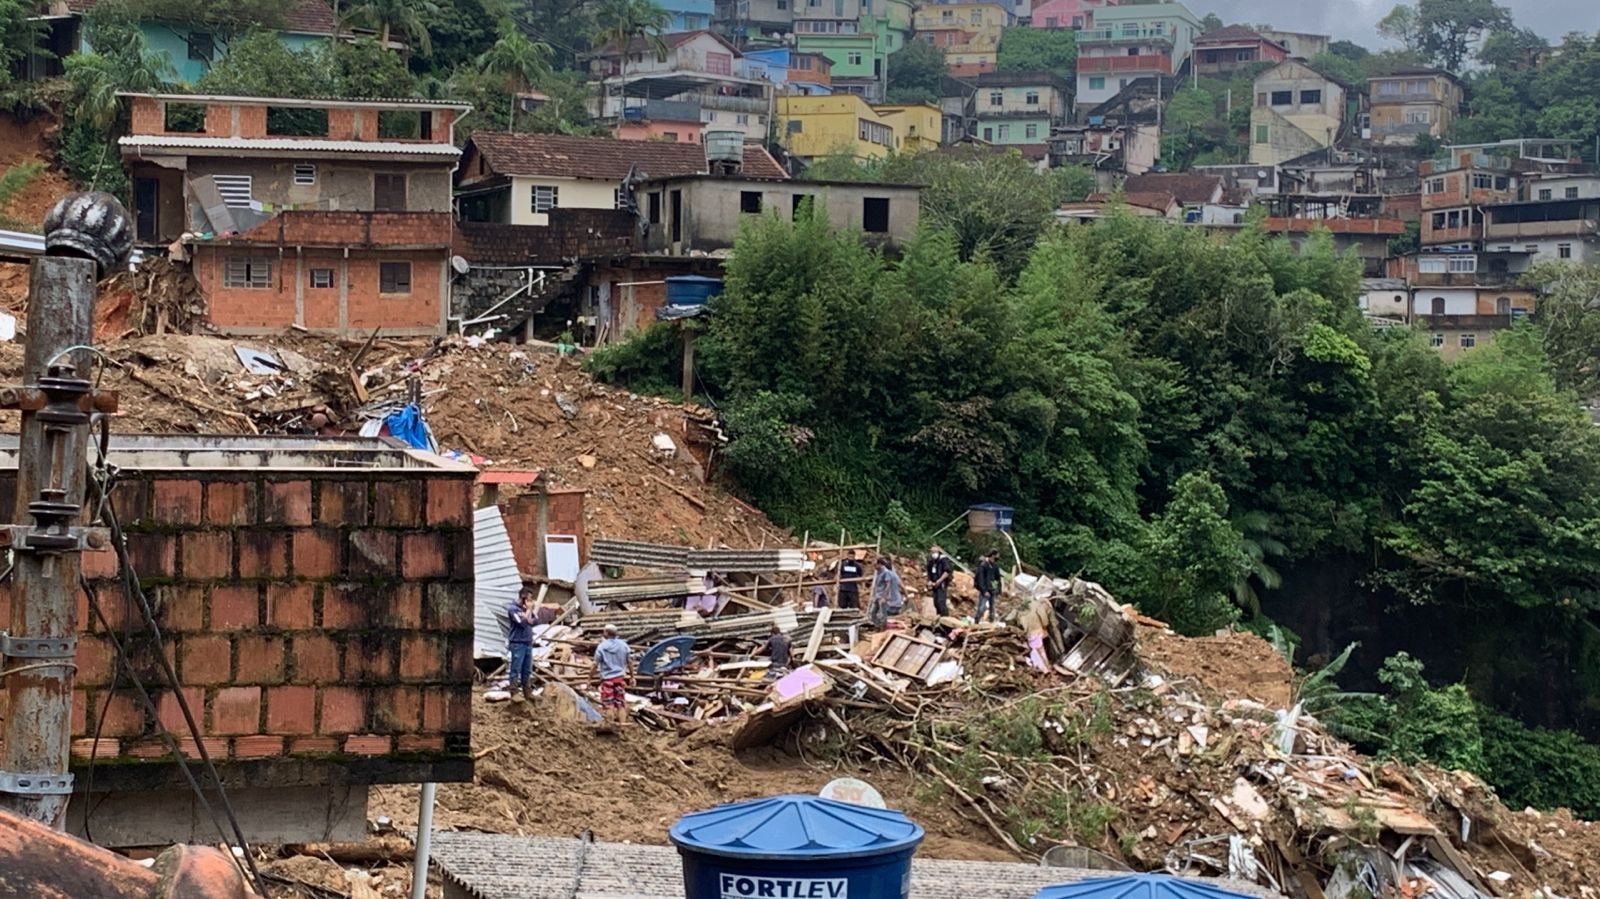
{"x": 254, "y": 266}
{"x": 553, "y": 200}
{"x": 311, "y": 278}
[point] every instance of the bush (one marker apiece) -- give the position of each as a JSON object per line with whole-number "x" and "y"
{"x": 650, "y": 362}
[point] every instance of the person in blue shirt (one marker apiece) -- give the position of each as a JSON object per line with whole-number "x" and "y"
{"x": 887, "y": 598}
{"x": 521, "y": 616}
{"x": 613, "y": 663}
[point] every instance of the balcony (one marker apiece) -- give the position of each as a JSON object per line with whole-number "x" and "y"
{"x": 733, "y": 104}
{"x": 1482, "y": 278}
{"x": 661, "y": 111}
{"x": 1465, "y": 322}
{"x": 1149, "y": 62}
{"x": 1115, "y": 35}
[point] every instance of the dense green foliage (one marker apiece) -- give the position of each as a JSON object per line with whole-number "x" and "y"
{"x": 1515, "y": 94}
{"x": 1024, "y": 49}
{"x": 916, "y": 73}
{"x": 14, "y": 181}
{"x": 1444, "y": 32}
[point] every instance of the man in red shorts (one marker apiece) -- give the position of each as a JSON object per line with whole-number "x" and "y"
{"x": 613, "y": 665}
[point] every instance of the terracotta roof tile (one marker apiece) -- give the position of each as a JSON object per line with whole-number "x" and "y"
{"x": 605, "y": 158}
{"x": 1189, "y": 189}
{"x": 1159, "y": 200}
{"x": 1231, "y": 33}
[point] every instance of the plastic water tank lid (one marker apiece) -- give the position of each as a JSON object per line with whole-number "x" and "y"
{"x": 795, "y": 827}
{"x": 1137, "y": 886}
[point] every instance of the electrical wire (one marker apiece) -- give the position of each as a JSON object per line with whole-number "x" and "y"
{"x": 105, "y": 476}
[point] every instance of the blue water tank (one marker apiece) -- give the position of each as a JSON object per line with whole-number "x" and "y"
{"x": 692, "y": 290}
{"x": 1137, "y": 886}
{"x": 796, "y": 847}
{"x": 984, "y": 517}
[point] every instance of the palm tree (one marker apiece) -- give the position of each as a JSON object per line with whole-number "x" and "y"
{"x": 520, "y": 61}
{"x": 390, "y": 16}
{"x": 97, "y": 78}
{"x": 619, "y": 23}
{"x": 1255, "y": 528}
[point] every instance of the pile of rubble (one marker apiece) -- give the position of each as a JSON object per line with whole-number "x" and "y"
{"x": 1054, "y": 734}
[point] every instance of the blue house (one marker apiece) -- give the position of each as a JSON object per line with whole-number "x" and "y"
{"x": 689, "y": 15}
{"x": 189, "y": 49}
{"x": 792, "y": 71}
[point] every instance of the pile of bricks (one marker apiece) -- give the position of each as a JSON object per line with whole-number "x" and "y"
{"x": 319, "y": 614}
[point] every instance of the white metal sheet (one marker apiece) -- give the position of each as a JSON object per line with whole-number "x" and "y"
{"x": 561, "y": 557}
{"x": 497, "y": 583}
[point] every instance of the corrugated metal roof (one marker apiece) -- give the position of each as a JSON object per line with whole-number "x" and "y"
{"x": 285, "y": 144}
{"x": 501, "y": 866}
{"x": 18, "y": 244}
{"x": 496, "y": 583}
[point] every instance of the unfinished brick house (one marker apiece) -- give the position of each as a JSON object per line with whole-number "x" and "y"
{"x": 330, "y": 215}
{"x": 316, "y": 601}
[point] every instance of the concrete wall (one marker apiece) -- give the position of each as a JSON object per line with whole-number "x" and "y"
{"x": 353, "y": 304}
{"x": 339, "y": 185}
{"x": 319, "y": 620}
{"x": 571, "y": 194}
{"x": 712, "y": 210}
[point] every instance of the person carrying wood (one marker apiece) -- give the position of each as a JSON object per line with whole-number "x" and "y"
{"x": 939, "y": 571}
{"x": 613, "y": 663}
{"x": 520, "y": 614}
{"x": 987, "y": 580}
{"x": 887, "y": 598}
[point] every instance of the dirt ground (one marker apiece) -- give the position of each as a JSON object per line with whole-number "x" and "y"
{"x": 1229, "y": 666}
{"x": 543, "y": 776}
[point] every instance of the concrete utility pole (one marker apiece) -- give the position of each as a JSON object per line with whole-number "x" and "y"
{"x": 86, "y": 237}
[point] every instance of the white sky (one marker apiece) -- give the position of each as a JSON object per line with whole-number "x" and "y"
{"x": 1355, "y": 19}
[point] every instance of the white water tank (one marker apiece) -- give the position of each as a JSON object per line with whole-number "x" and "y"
{"x": 724, "y": 151}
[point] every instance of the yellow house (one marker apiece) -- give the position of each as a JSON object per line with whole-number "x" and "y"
{"x": 834, "y": 125}
{"x": 968, "y": 33}
{"x": 916, "y": 125}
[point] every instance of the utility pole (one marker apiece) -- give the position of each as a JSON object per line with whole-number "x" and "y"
{"x": 86, "y": 237}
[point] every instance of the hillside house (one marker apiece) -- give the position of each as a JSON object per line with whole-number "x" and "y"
{"x": 1108, "y": 148}
{"x": 688, "y": 15}
{"x": 700, "y": 214}
{"x": 699, "y": 68}
{"x": 1557, "y": 217}
{"x": 1129, "y": 43}
{"x": 1300, "y": 44}
{"x": 329, "y": 215}
{"x": 1077, "y": 15}
{"x": 968, "y": 33}
{"x": 847, "y": 125}
{"x": 856, "y": 36}
{"x": 745, "y": 21}
{"x": 1413, "y": 101}
{"x": 791, "y": 71}
{"x": 519, "y": 179}
{"x": 1297, "y": 111}
{"x": 1235, "y": 47}
{"x": 1021, "y": 107}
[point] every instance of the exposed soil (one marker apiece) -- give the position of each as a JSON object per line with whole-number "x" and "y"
{"x": 1228, "y": 666}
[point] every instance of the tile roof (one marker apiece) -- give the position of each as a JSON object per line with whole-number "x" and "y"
{"x": 1188, "y": 189}
{"x": 39, "y": 861}
{"x": 672, "y": 41}
{"x": 307, "y": 17}
{"x": 1159, "y": 200}
{"x": 605, "y": 158}
{"x": 1232, "y": 33}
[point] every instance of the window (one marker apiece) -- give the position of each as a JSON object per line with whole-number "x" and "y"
{"x": 875, "y": 132}
{"x": 1564, "y": 250}
{"x": 1502, "y": 306}
{"x": 1438, "y": 221}
{"x": 202, "y": 46}
{"x": 546, "y": 197}
{"x": 1531, "y": 248}
{"x": 783, "y": 4}
{"x": 1463, "y": 264}
{"x": 1544, "y": 193}
{"x": 1452, "y": 219}
{"x": 996, "y": 98}
{"x": 187, "y": 118}
{"x": 875, "y": 215}
{"x": 749, "y": 201}
{"x": 305, "y": 173}
{"x": 1436, "y": 341}
{"x": 1310, "y": 98}
{"x": 1468, "y": 341}
{"x": 797, "y": 205}
{"x": 719, "y": 63}
{"x": 741, "y": 118}
{"x": 253, "y": 273}
{"x": 1502, "y": 182}
{"x": 1212, "y": 56}
{"x": 975, "y": 17}
{"x": 795, "y": 126}
{"x": 1077, "y": 21}
{"x": 670, "y": 137}
{"x": 321, "y": 278}
{"x": 1417, "y": 116}
{"x": 1096, "y": 84}
{"x": 947, "y": 16}
{"x": 1005, "y": 132}
{"x": 1245, "y": 55}
{"x": 1436, "y": 185}
{"x": 708, "y": 115}
{"x": 1282, "y": 98}
{"x": 1263, "y": 133}
{"x": 1482, "y": 182}
{"x": 1030, "y": 131}
{"x": 1049, "y": 21}
{"x": 1416, "y": 87}
{"x": 1133, "y": 51}
{"x": 988, "y": 134}
{"x": 1436, "y": 306}
{"x": 1572, "y": 193}
{"x": 394, "y": 277}
{"x": 234, "y": 190}
{"x": 1430, "y": 265}
{"x": 853, "y": 58}
{"x": 389, "y": 193}
{"x": 653, "y": 207}
{"x": 1031, "y": 98}
{"x": 1261, "y": 98}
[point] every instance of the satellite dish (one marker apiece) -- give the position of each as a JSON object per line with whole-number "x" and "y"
{"x": 855, "y": 792}
{"x": 460, "y": 265}
{"x": 1261, "y": 173}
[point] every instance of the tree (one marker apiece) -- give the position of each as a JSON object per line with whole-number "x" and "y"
{"x": 394, "y": 17}
{"x": 916, "y": 73}
{"x": 1210, "y": 22}
{"x": 1339, "y": 68}
{"x": 521, "y": 62}
{"x": 618, "y": 23}
{"x": 12, "y": 183}
{"x": 365, "y": 68}
{"x": 1052, "y": 50}
{"x": 226, "y": 19}
{"x": 1445, "y": 32}
{"x": 1569, "y": 319}
{"x": 1256, "y": 535}
{"x": 1190, "y": 557}
{"x": 1512, "y": 49}
{"x": 19, "y": 35}
{"x": 1348, "y": 50}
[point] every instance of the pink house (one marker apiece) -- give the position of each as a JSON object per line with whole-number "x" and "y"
{"x": 1074, "y": 14}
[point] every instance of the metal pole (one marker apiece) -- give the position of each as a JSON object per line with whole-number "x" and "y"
{"x": 419, "y": 866}
{"x": 56, "y": 400}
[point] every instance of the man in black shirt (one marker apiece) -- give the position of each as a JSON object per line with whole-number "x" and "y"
{"x": 777, "y": 649}
{"x": 939, "y": 571}
{"x": 851, "y": 570}
{"x": 987, "y": 580}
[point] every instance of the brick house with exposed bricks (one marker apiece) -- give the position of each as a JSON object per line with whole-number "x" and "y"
{"x": 329, "y": 215}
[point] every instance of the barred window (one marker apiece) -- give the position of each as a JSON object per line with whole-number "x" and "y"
{"x": 253, "y": 272}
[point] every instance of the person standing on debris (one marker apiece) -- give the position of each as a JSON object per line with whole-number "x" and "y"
{"x": 987, "y": 580}
{"x": 851, "y": 570}
{"x": 612, "y": 665}
{"x": 887, "y": 599}
{"x": 521, "y": 616}
{"x": 939, "y": 571}
{"x": 778, "y": 649}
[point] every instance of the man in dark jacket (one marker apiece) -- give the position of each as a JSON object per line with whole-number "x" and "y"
{"x": 987, "y": 580}
{"x": 521, "y": 618}
{"x": 939, "y": 571}
{"x": 851, "y": 572}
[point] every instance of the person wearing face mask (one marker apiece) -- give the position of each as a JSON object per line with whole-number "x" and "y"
{"x": 939, "y": 572}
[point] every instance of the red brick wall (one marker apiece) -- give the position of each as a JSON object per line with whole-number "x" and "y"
{"x": 342, "y": 124}
{"x": 274, "y": 307}
{"x": 147, "y": 116}
{"x": 252, "y": 121}
{"x": 219, "y": 120}
{"x": 563, "y": 515}
{"x": 420, "y": 309}
{"x": 314, "y": 615}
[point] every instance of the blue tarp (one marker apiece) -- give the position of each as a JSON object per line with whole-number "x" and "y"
{"x": 1138, "y": 886}
{"x": 408, "y": 425}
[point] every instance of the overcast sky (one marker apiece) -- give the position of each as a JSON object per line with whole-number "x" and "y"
{"x": 1355, "y": 19}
